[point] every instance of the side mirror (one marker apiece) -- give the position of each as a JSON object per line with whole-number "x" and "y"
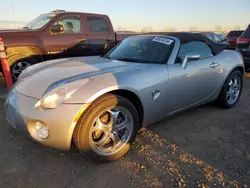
{"x": 189, "y": 57}
{"x": 58, "y": 28}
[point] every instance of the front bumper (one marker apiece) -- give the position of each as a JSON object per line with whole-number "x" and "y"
{"x": 21, "y": 113}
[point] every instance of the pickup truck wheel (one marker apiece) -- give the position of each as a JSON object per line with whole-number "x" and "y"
{"x": 107, "y": 129}
{"x": 19, "y": 66}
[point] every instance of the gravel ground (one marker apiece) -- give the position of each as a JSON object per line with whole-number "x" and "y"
{"x": 203, "y": 147}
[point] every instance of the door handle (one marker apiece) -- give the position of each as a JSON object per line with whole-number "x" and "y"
{"x": 108, "y": 39}
{"x": 81, "y": 40}
{"x": 213, "y": 65}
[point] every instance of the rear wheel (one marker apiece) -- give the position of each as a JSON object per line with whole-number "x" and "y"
{"x": 107, "y": 129}
{"x": 231, "y": 91}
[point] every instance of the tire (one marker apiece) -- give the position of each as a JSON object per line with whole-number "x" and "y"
{"x": 16, "y": 69}
{"x": 85, "y": 132}
{"x": 224, "y": 100}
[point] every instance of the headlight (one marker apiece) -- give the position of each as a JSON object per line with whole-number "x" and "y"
{"x": 57, "y": 96}
{"x": 53, "y": 100}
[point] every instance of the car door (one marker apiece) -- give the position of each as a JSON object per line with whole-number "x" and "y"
{"x": 197, "y": 81}
{"x": 71, "y": 41}
{"x": 98, "y": 33}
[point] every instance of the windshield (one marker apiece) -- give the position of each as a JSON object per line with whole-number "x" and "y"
{"x": 39, "y": 21}
{"x": 209, "y": 36}
{"x": 221, "y": 36}
{"x": 143, "y": 49}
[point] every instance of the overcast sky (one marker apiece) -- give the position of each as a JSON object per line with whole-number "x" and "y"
{"x": 137, "y": 14}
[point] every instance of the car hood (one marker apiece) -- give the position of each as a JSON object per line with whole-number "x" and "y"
{"x": 9, "y": 32}
{"x": 21, "y": 37}
{"x": 37, "y": 79}
{"x": 12, "y": 30}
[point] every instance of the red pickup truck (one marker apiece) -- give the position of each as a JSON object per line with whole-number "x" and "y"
{"x": 59, "y": 34}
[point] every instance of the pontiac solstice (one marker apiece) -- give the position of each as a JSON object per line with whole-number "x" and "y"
{"x": 100, "y": 103}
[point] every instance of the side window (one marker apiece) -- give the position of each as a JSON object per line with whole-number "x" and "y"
{"x": 196, "y": 47}
{"x": 71, "y": 24}
{"x": 97, "y": 24}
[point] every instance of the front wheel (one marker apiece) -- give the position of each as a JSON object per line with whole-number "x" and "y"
{"x": 231, "y": 91}
{"x": 19, "y": 66}
{"x": 107, "y": 129}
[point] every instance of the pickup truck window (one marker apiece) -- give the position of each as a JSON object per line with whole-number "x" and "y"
{"x": 39, "y": 21}
{"x": 143, "y": 49}
{"x": 97, "y": 24}
{"x": 71, "y": 24}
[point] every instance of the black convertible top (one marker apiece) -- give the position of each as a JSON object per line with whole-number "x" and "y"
{"x": 186, "y": 37}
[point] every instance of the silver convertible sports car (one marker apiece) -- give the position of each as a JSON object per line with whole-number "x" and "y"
{"x": 100, "y": 103}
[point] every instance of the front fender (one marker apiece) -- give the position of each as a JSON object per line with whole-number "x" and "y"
{"x": 20, "y": 52}
{"x": 96, "y": 87}
{"x": 89, "y": 92}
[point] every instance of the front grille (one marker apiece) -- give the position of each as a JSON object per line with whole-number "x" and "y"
{"x": 11, "y": 115}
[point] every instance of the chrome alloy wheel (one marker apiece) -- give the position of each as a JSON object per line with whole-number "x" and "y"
{"x": 111, "y": 130}
{"x": 234, "y": 88}
{"x": 19, "y": 68}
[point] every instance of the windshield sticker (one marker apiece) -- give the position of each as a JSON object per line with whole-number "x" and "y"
{"x": 163, "y": 40}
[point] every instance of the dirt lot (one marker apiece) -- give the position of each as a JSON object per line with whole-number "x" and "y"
{"x": 203, "y": 147}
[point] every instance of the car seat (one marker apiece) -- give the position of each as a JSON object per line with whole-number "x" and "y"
{"x": 69, "y": 27}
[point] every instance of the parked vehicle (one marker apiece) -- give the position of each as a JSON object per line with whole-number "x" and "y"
{"x": 59, "y": 34}
{"x": 243, "y": 46}
{"x": 232, "y": 37}
{"x": 216, "y": 38}
{"x": 101, "y": 102}
{"x": 221, "y": 36}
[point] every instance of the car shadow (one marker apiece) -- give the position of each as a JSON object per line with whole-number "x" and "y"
{"x": 208, "y": 143}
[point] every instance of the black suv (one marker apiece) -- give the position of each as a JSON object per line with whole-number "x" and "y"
{"x": 243, "y": 46}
